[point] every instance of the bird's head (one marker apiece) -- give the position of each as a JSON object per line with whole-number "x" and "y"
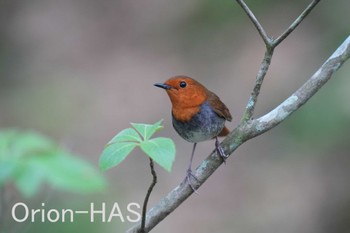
{"x": 184, "y": 92}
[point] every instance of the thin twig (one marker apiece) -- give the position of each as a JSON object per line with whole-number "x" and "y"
{"x": 144, "y": 208}
{"x": 296, "y": 22}
{"x": 256, "y": 23}
{"x": 270, "y": 46}
{"x": 264, "y": 66}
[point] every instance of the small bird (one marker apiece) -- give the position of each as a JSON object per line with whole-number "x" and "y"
{"x": 197, "y": 114}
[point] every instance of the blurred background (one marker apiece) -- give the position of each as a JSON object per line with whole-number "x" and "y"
{"x": 80, "y": 71}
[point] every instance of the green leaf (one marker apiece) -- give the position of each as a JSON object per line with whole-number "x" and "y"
{"x": 7, "y": 169}
{"x": 114, "y": 153}
{"x": 126, "y": 135}
{"x": 147, "y": 130}
{"x": 67, "y": 172}
{"x": 6, "y": 137}
{"x": 118, "y": 148}
{"x": 59, "y": 169}
{"x": 17, "y": 144}
{"x": 16, "y": 149}
{"x": 29, "y": 159}
{"x": 161, "y": 150}
{"x": 28, "y": 180}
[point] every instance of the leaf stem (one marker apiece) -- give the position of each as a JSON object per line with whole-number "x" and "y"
{"x": 144, "y": 208}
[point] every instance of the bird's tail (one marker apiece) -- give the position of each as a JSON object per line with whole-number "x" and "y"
{"x": 224, "y": 132}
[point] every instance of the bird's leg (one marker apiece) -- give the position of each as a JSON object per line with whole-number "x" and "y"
{"x": 189, "y": 174}
{"x": 220, "y": 150}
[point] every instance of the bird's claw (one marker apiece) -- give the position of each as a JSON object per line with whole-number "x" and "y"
{"x": 190, "y": 175}
{"x": 220, "y": 152}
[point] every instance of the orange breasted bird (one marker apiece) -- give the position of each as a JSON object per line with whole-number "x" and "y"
{"x": 197, "y": 114}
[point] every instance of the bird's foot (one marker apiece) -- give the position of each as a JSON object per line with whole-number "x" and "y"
{"x": 188, "y": 180}
{"x": 220, "y": 151}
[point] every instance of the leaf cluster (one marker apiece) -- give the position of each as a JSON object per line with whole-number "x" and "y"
{"x": 160, "y": 149}
{"x": 29, "y": 159}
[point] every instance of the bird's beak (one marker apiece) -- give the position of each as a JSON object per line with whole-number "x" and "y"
{"x": 163, "y": 85}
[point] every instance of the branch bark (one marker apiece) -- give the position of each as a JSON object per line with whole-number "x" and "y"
{"x": 304, "y": 93}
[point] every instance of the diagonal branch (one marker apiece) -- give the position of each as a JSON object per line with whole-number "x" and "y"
{"x": 304, "y": 93}
{"x": 245, "y": 131}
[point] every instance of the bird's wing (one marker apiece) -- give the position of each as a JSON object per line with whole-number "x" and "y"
{"x": 219, "y": 107}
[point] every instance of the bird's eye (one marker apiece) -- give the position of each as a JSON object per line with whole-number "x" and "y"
{"x": 183, "y": 84}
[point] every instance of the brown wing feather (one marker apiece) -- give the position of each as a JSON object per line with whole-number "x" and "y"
{"x": 219, "y": 107}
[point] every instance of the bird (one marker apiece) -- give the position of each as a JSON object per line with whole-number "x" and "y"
{"x": 198, "y": 115}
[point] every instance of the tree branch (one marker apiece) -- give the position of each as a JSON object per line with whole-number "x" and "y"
{"x": 267, "y": 40}
{"x": 270, "y": 46}
{"x": 304, "y": 93}
{"x": 264, "y": 67}
{"x": 298, "y": 20}
{"x": 245, "y": 131}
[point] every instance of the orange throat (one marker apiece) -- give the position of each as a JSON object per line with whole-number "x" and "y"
{"x": 185, "y": 114}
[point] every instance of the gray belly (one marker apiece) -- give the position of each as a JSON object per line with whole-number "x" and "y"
{"x": 205, "y": 125}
